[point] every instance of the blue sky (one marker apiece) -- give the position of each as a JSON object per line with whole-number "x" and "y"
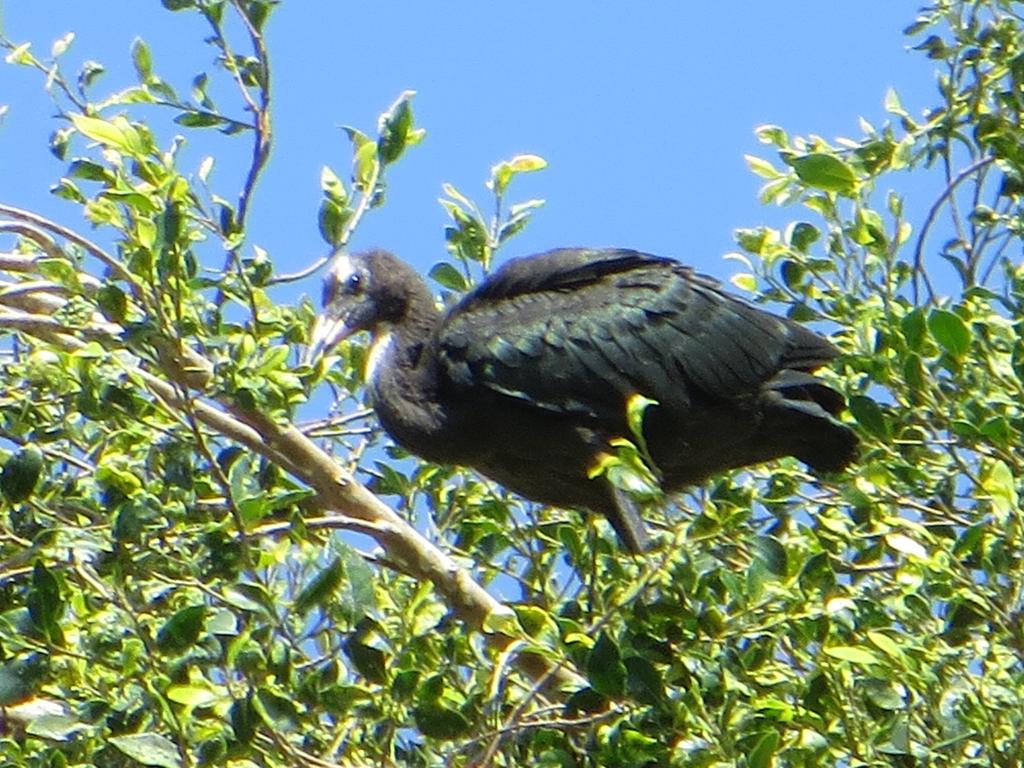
{"x": 644, "y": 110}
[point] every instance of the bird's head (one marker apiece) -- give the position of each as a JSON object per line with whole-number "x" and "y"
{"x": 362, "y": 292}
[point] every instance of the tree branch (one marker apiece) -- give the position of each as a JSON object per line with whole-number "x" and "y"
{"x": 336, "y": 488}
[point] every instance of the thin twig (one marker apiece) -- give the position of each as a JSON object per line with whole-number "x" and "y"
{"x": 263, "y": 136}
{"x": 366, "y": 196}
{"x": 930, "y": 219}
{"x": 305, "y": 272}
{"x": 115, "y": 266}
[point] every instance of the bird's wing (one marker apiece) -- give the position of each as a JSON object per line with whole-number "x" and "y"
{"x": 580, "y": 331}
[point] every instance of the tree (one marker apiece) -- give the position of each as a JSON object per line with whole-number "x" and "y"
{"x": 175, "y": 589}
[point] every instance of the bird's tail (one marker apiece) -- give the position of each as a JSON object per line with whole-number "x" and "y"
{"x": 800, "y": 410}
{"x": 628, "y": 523}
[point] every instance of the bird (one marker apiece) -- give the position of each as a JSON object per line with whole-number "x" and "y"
{"x": 528, "y": 377}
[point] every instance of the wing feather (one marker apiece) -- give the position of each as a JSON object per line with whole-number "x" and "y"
{"x": 580, "y": 331}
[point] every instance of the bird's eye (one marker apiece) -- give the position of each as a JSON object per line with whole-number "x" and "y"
{"x": 354, "y": 283}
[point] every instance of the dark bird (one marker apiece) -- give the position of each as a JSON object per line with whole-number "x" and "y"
{"x": 527, "y": 378}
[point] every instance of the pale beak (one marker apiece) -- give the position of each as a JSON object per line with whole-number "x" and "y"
{"x": 327, "y": 332}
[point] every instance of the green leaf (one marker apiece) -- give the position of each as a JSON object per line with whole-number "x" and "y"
{"x": 332, "y": 186}
{"x": 998, "y": 482}
{"x": 503, "y": 173}
{"x": 744, "y": 281}
{"x": 394, "y": 127}
{"x": 605, "y": 670}
{"x": 82, "y": 168}
{"x": 763, "y": 753}
{"x": 636, "y": 407}
{"x": 852, "y": 654}
{"x": 761, "y": 167}
{"x": 106, "y": 133}
{"x": 244, "y": 720}
{"x": 770, "y": 552}
{"x": 20, "y": 55}
{"x": 272, "y": 359}
{"x": 193, "y": 695}
{"x": 793, "y": 273}
{"x": 537, "y": 623}
{"x": 869, "y": 415}
{"x": 112, "y": 303}
{"x": 339, "y": 699}
{"x": 772, "y": 134}
{"x": 825, "y": 172}
{"x": 258, "y": 13}
{"x": 332, "y": 219}
{"x": 54, "y": 727}
{"x": 803, "y": 235}
{"x": 276, "y": 710}
{"x": 320, "y": 589}
{"x": 439, "y": 722}
{"x": 914, "y": 375}
{"x": 884, "y": 694}
{"x": 59, "y": 140}
{"x": 148, "y": 749}
{"x": 195, "y": 119}
{"x": 366, "y": 165}
{"x": 181, "y": 631}
{"x": 519, "y": 216}
{"x": 502, "y": 620}
{"x": 223, "y": 622}
{"x": 754, "y": 240}
{"x": 885, "y": 643}
{"x": 369, "y": 662}
{"x": 447, "y": 275}
{"x": 88, "y": 74}
{"x": 44, "y": 603}
{"x": 21, "y": 473}
{"x": 585, "y": 700}
{"x": 892, "y": 102}
{"x": 358, "y": 592}
{"x": 950, "y": 332}
{"x": 643, "y": 681}
{"x": 906, "y": 545}
{"x": 142, "y": 59}
{"x": 199, "y": 94}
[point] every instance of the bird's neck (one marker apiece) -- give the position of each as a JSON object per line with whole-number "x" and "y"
{"x": 403, "y": 381}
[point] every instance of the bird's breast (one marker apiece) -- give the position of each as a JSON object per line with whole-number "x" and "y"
{"x": 377, "y": 357}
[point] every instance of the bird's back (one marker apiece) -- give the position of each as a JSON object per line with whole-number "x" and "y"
{"x": 579, "y": 331}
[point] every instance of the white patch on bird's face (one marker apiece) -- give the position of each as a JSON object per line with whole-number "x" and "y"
{"x": 378, "y": 354}
{"x": 343, "y": 268}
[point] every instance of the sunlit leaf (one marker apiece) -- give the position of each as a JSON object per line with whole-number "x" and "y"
{"x": 142, "y": 59}
{"x": 763, "y": 754}
{"x": 826, "y": 172}
{"x": 950, "y": 332}
{"x": 852, "y": 654}
{"x": 448, "y": 276}
{"x": 906, "y": 545}
{"x": 106, "y": 133}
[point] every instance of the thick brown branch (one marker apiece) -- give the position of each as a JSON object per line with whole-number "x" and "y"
{"x": 335, "y": 486}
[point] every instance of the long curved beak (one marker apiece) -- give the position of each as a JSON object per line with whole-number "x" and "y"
{"x": 327, "y": 332}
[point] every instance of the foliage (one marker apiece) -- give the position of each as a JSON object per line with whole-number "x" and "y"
{"x": 173, "y": 591}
